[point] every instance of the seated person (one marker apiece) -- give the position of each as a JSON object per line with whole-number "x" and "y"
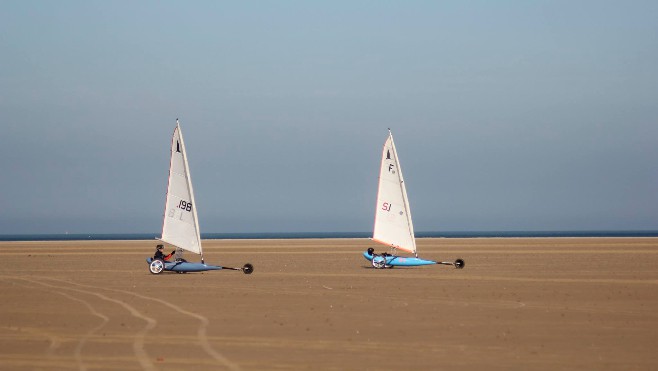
{"x": 160, "y": 255}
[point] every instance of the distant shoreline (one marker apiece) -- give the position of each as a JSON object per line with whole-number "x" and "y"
{"x": 323, "y": 235}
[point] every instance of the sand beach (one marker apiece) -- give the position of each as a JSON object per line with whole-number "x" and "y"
{"x": 519, "y": 304}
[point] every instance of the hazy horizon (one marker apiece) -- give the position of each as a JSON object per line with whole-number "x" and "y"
{"x": 507, "y": 116}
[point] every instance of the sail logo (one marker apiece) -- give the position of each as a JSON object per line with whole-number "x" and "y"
{"x": 391, "y": 168}
{"x": 178, "y": 146}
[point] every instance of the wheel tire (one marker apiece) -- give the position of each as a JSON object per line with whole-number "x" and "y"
{"x": 156, "y": 266}
{"x": 459, "y": 263}
{"x": 248, "y": 269}
{"x": 378, "y": 261}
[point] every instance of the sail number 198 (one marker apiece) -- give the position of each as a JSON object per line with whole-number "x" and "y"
{"x": 187, "y": 206}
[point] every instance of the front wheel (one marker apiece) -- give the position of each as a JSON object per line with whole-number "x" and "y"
{"x": 156, "y": 266}
{"x": 459, "y": 263}
{"x": 247, "y": 269}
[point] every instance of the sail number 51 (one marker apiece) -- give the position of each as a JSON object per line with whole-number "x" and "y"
{"x": 386, "y": 206}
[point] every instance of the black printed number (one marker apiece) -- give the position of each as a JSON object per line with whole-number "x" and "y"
{"x": 187, "y": 206}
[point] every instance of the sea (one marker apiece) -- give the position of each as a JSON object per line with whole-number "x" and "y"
{"x": 302, "y": 235}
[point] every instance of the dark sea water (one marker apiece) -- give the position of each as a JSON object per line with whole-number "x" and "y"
{"x": 298, "y": 235}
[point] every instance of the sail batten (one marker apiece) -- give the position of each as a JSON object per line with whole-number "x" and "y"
{"x": 180, "y": 226}
{"x": 393, "y": 226}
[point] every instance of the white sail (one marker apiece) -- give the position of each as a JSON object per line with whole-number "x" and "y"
{"x": 181, "y": 224}
{"x": 393, "y": 226}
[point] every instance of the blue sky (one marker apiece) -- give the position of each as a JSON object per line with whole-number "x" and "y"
{"x": 509, "y": 115}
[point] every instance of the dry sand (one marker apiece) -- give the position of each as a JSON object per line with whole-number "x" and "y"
{"x": 520, "y": 304}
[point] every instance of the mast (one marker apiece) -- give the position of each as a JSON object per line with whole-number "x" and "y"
{"x": 188, "y": 178}
{"x": 405, "y": 199}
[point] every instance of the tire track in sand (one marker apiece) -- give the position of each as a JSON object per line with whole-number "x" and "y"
{"x": 138, "y": 343}
{"x": 53, "y": 341}
{"x": 77, "y": 352}
{"x": 202, "y": 336}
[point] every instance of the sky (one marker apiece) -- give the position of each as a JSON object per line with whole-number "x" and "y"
{"x": 507, "y": 115}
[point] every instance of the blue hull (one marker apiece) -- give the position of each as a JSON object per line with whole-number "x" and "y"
{"x": 187, "y": 266}
{"x": 398, "y": 261}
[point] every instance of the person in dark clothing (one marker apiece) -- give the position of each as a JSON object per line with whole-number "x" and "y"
{"x": 160, "y": 255}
